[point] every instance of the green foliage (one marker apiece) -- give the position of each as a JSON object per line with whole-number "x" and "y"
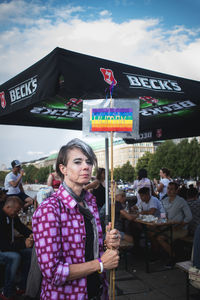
{"x": 144, "y": 161}
{"x": 2, "y": 177}
{"x": 35, "y": 175}
{"x": 30, "y": 173}
{"x": 181, "y": 159}
{"x": 117, "y": 174}
{"x": 125, "y": 173}
{"x": 42, "y": 175}
{"x": 164, "y": 157}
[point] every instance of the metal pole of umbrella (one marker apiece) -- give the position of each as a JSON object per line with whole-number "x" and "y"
{"x": 107, "y": 179}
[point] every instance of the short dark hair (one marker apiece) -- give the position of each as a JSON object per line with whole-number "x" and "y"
{"x": 13, "y": 200}
{"x": 166, "y": 171}
{"x": 64, "y": 151}
{"x": 175, "y": 184}
{"x": 144, "y": 191}
{"x": 142, "y": 173}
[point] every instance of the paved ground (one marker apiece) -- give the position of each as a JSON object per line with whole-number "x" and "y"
{"x": 135, "y": 284}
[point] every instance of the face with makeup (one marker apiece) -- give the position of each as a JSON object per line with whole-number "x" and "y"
{"x": 78, "y": 169}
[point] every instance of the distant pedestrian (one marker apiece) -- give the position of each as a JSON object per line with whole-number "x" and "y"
{"x": 54, "y": 180}
{"x": 142, "y": 181}
{"x": 13, "y": 183}
{"x": 163, "y": 184}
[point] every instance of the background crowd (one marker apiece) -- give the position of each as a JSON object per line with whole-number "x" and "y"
{"x": 165, "y": 199}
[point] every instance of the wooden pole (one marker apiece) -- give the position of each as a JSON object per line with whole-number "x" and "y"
{"x": 112, "y": 272}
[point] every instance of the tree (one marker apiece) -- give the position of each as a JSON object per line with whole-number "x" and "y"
{"x": 164, "y": 157}
{"x": 143, "y": 162}
{"x": 127, "y": 172}
{"x": 188, "y": 159}
{"x": 2, "y": 177}
{"x": 42, "y": 175}
{"x": 30, "y": 173}
{"x": 195, "y": 166}
{"x": 117, "y": 174}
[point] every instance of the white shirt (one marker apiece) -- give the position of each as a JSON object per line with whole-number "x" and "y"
{"x": 153, "y": 203}
{"x": 11, "y": 189}
{"x": 165, "y": 183}
{"x": 138, "y": 184}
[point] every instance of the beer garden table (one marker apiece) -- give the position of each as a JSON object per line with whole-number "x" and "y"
{"x": 158, "y": 227}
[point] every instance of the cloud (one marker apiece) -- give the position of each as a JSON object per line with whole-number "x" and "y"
{"x": 36, "y": 153}
{"x": 105, "y": 13}
{"x": 143, "y": 43}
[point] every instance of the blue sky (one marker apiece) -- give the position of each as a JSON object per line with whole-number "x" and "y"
{"x": 159, "y": 35}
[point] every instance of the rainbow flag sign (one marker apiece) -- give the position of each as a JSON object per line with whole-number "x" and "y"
{"x": 111, "y": 119}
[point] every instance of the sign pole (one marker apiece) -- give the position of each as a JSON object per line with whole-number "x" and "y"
{"x": 112, "y": 272}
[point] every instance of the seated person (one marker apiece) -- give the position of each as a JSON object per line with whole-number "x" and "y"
{"x": 176, "y": 209}
{"x": 14, "y": 251}
{"x": 13, "y": 183}
{"x": 119, "y": 213}
{"x": 194, "y": 204}
{"x": 149, "y": 205}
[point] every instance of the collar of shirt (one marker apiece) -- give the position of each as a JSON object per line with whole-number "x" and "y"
{"x": 69, "y": 201}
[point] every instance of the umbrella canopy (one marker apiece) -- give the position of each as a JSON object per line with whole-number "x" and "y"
{"x": 51, "y": 92}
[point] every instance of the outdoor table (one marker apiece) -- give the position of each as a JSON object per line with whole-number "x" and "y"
{"x": 157, "y": 227}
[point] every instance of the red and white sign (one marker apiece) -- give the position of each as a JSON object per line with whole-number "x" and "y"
{"x": 3, "y": 99}
{"x": 108, "y": 76}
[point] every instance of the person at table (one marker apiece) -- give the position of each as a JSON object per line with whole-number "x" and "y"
{"x": 142, "y": 181}
{"x": 68, "y": 234}
{"x": 161, "y": 187}
{"x": 194, "y": 204}
{"x": 120, "y": 213}
{"x": 14, "y": 251}
{"x": 13, "y": 183}
{"x": 177, "y": 210}
{"x": 98, "y": 187}
{"x": 149, "y": 205}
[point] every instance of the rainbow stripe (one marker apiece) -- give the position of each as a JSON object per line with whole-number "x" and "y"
{"x": 111, "y": 119}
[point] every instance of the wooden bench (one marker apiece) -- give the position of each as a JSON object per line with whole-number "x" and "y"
{"x": 188, "y": 239}
{"x": 124, "y": 248}
{"x": 185, "y": 244}
{"x": 185, "y": 266}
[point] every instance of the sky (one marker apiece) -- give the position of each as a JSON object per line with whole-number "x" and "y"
{"x": 154, "y": 34}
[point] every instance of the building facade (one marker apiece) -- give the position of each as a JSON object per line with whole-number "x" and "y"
{"x": 122, "y": 152}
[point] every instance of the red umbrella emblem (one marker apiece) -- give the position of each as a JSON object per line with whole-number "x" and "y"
{"x": 3, "y": 99}
{"x": 108, "y": 76}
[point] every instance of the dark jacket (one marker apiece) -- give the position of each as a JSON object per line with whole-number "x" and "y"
{"x": 6, "y": 232}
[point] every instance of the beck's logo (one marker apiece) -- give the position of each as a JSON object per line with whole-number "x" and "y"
{"x": 3, "y": 99}
{"x": 73, "y": 102}
{"x": 149, "y": 99}
{"x": 108, "y": 76}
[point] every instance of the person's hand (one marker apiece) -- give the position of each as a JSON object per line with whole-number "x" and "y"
{"x": 29, "y": 241}
{"x": 110, "y": 259}
{"x": 22, "y": 172}
{"x": 28, "y": 201}
{"x": 155, "y": 181}
{"x": 134, "y": 208}
{"x": 113, "y": 237}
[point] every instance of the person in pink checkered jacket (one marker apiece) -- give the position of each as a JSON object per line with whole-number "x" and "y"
{"x": 68, "y": 235}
